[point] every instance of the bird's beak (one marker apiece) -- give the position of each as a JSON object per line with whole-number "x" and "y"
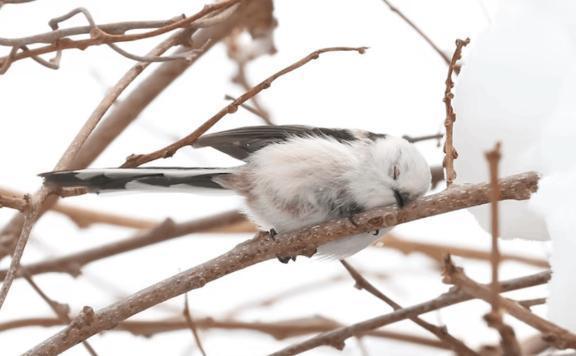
{"x": 399, "y": 199}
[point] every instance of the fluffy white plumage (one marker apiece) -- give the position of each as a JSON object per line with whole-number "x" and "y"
{"x": 294, "y": 177}
{"x": 305, "y": 181}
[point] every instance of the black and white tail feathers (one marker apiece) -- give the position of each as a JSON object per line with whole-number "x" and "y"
{"x": 153, "y": 178}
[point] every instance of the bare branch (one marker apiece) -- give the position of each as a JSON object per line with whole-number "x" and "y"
{"x": 251, "y": 109}
{"x": 186, "y": 56}
{"x": 508, "y": 342}
{"x": 73, "y": 263}
{"x": 168, "y": 151}
{"x": 61, "y": 310}
{"x": 279, "y": 330}
{"x": 98, "y": 35}
{"x": 411, "y": 139}
{"x": 450, "y": 152}
{"x": 338, "y": 336}
{"x": 438, "y": 251}
{"x": 14, "y": 201}
{"x": 529, "y": 303}
{"x": 554, "y": 334}
{"x": 418, "y": 30}
{"x": 441, "y": 332}
{"x": 262, "y": 248}
{"x": 80, "y": 216}
{"x": 126, "y": 111}
{"x": 39, "y": 200}
{"x": 192, "y": 325}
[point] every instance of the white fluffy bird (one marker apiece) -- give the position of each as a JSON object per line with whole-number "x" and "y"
{"x": 294, "y": 176}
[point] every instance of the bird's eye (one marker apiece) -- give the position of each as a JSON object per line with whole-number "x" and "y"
{"x": 395, "y": 172}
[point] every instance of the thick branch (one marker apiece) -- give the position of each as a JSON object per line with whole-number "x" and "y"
{"x": 262, "y": 248}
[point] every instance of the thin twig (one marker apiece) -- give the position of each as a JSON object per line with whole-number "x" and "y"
{"x": 292, "y": 292}
{"x": 250, "y": 109}
{"x": 186, "y": 56}
{"x": 279, "y": 330}
{"x": 39, "y": 199}
{"x": 73, "y": 263}
{"x": 98, "y": 34}
{"x": 82, "y": 217}
{"x": 126, "y": 111}
{"x": 411, "y": 139}
{"x": 19, "y": 202}
{"x": 438, "y": 251}
{"x": 441, "y": 332}
{"x": 262, "y": 248}
{"x": 529, "y": 303}
{"x": 449, "y": 150}
{"x": 61, "y": 310}
{"x": 168, "y": 151}
{"x": 419, "y": 31}
{"x": 508, "y": 342}
{"x": 192, "y": 325}
{"x": 2, "y": 2}
{"x": 236, "y": 52}
{"x": 554, "y": 334}
{"x": 338, "y": 336}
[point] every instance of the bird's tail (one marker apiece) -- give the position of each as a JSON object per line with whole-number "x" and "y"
{"x": 143, "y": 179}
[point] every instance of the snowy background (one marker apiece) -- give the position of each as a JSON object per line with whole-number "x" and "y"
{"x": 520, "y": 93}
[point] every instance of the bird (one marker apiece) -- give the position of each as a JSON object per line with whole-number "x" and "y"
{"x": 293, "y": 176}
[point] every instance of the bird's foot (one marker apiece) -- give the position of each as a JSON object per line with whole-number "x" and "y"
{"x": 307, "y": 253}
{"x": 272, "y": 234}
{"x": 352, "y": 221}
{"x": 286, "y": 259}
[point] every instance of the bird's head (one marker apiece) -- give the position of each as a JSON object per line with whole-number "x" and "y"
{"x": 393, "y": 171}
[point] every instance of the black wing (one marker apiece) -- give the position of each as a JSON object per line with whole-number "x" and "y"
{"x": 242, "y": 142}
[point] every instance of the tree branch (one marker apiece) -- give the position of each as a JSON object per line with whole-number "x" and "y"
{"x": 419, "y": 31}
{"x": 338, "y": 336}
{"x": 82, "y": 217}
{"x": 556, "y": 335}
{"x": 39, "y": 200}
{"x": 441, "y": 332}
{"x": 449, "y": 151}
{"x": 73, "y": 263}
{"x": 170, "y": 150}
{"x": 126, "y": 111}
{"x": 99, "y": 36}
{"x": 61, "y": 310}
{"x": 438, "y": 251}
{"x": 262, "y": 248}
{"x": 279, "y": 330}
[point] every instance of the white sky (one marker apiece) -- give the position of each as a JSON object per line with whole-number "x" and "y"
{"x": 396, "y": 87}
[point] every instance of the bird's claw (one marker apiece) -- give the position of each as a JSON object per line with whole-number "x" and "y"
{"x": 286, "y": 259}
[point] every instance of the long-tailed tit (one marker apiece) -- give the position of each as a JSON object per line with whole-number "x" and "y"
{"x": 293, "y": 176}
